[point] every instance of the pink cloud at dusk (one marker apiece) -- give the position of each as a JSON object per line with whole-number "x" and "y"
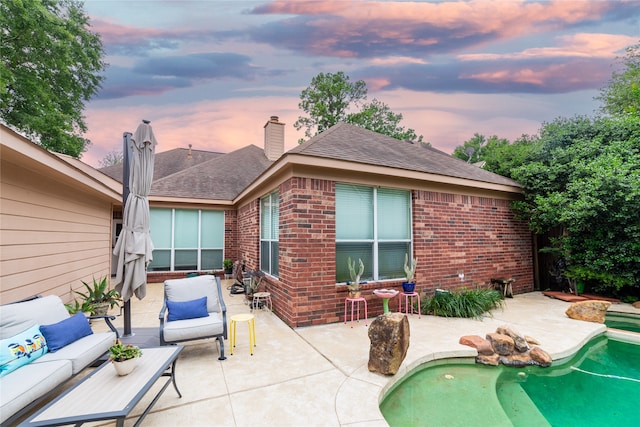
{"x": 211, "y": 73}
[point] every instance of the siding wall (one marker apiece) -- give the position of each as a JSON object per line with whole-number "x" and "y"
{"x": 475, "y": 235}
{"x": 52, "y": 236}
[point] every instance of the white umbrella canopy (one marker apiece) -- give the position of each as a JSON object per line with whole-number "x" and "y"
{"x": 134, "y": 247}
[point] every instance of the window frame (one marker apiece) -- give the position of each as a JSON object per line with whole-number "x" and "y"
{"x": 270, "y": 234}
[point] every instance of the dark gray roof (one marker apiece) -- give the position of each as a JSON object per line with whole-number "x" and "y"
{"x": 355, "y": 144}
{"x": 167, "y": 163}
{"x": 221, "y": 178}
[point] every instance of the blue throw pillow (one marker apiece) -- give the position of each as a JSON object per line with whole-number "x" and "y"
{"x": 66, "y": 331}
{"x": 21, "y": 349}
{"x": 181, "y": 310}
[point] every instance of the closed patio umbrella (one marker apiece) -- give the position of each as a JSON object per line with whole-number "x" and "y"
{"x": 134, "y": 248}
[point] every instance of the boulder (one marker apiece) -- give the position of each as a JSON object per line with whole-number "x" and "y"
{"x": 540, "y": 356}
{"x": 636, "y": 304}
{"x": 519, "y": 341}
{"x": 480, "y": 344}
{"x": 488, "y": 359}
{"x": 517, "y": 359}
{"x": 502, "y": 344}
{"x": 531, "y": 340}
{"x": 389, "y": 336}
{"x": 590, "y": 311}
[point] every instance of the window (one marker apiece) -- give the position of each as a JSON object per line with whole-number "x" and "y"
{"x": 373, "y": 224}
{"x": 269, "y": 219}
{"x": 186, "y": 239}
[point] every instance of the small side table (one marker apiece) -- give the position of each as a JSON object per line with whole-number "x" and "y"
{"x": 262, "y": 297}
{"x": 409, "y": 299}
{"x": 355, "y": 301}
{"x": 251, "y": 322}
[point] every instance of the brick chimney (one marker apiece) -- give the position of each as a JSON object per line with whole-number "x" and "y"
{"x": 273, "y": 139}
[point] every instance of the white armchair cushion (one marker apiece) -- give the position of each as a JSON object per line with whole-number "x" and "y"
{"x": 183, "y": 330}
{"x": 193, "y": 288}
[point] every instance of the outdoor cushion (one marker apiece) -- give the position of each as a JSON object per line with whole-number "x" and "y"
{"x": 181, "y": 310}
{"x": 29, "y": 383}
{"x": 192, "y": 288}
{"x": 21, "y": 349}
{"x": 18, "y": 317}
{"x": 66, "y": 331}
{"x": 83, "y": 352}
{"x": 189, "y": 329}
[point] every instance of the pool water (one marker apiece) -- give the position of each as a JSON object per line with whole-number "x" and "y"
{"x": 599, "y": 386}
{"x": 626, "y": 322}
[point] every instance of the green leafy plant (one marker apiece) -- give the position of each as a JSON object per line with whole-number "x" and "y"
{"x": 77, "y": 307}
{"x": 227, "y": 264}
{"x": 98, "y": 293}
{"x": 410, "y": 271}
{"x": 466, "y": 304}
{"x": 119, "y": 352}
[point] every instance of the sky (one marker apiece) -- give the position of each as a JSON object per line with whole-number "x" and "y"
{"x": 210, "y": 73}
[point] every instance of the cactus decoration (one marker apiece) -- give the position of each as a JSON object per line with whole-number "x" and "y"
{"x": 355, "y": 278}
{"x": 410, "y": 271}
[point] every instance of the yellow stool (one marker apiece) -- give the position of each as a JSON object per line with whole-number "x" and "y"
{"x": 251, "y": 321}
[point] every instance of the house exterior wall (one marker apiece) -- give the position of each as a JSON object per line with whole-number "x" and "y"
{"x": 452, "y": 233}
{"x": 53, "y": 235}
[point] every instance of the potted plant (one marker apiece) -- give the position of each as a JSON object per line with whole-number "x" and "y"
{"x": 99, "y": 297}
{"x": 409, "y": 285}
{"x": 354, "y": 284}
{"x": 228, "y": 266}
{"x": 76, "y": 307}
{"x": 124, "y": 357}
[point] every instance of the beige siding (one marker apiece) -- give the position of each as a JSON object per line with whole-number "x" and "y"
{"x": 53, "y": 234}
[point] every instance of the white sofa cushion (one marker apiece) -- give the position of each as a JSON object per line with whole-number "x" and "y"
{"x": 182, "y": 330}
{"x": 82, "y": 352}
{"x": 18, "y": 317}
{"x": 30, "y": 382}
{"x": 193, "y": 288}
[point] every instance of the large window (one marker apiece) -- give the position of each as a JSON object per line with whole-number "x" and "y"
{"x": 269, "y": 219}
{"x": 373, "y": 224}
{"x": 185, "y": 239}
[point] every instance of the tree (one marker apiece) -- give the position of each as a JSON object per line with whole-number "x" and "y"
{"x": 112, "y": 158}
{"x": 584, "y": 177}
{"x": 478, "y": 148}
{"x": 50, "y": 65}
{"x": 622, "y": 94}
{"x": 329, "y": 99}
{"x": 378, "y": 117}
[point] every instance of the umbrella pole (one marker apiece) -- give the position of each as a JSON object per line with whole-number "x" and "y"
{"x": 126, "y": 153}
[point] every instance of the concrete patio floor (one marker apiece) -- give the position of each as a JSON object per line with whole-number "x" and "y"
{"x": 318, "y": 376}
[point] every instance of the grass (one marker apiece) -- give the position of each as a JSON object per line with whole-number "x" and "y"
{"x": 467, "y": 303}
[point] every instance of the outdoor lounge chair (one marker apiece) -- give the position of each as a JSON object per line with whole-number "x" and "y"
{"x": 193, "y": 309}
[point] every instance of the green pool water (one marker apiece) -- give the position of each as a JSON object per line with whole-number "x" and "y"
{"x": 599, "y": 386}
{"x": 626, "y": 322}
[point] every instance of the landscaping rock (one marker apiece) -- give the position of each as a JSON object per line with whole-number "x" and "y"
{"x": 531, "y": 341}
{"x": 518, "y": 340}
{"x": 540, "y": 356}
{"x": 502, "y": 344}
{"x": 480, "y": 344}
{"x": 389, "y": 336}
{"x": 491, "y": 359}
{"x": 590, "y": 311}
{"x": 636, "y": 304}
{"x": 517, "y": 359}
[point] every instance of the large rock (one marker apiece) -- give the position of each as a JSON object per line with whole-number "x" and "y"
{"x": 488, "y": 359}
{"x": 590, "y": 311}
{"x": 389, "y": 336}
{"x": 480, "y": 344}
{"x": 517, "y": 359}
{"x": 502, "y": 344}
{"x": 519, "y": 341}
{"x": 540, "y": 356}
{"x": 636, "y": 304}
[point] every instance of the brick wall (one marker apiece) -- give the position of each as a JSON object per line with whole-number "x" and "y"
{"x": 231, "y": 243}
{"x": 452, "y": 233}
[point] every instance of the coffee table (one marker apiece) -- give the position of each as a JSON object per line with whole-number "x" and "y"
{"x": 103, "y": 395}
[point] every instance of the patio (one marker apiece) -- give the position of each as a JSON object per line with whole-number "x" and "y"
{"x": 318, "y": 376}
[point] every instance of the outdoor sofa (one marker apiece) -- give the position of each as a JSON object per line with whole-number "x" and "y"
{"x": 41, "y": 347}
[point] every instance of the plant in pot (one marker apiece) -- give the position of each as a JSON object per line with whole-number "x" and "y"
{"x": 99, "y": 297}
{"x": 354, "y": 284}
{"x": 124, "y": 357}
{"x": 78, "y": 307}
{"x": 228, "y": 266}
{"x": 410, "y": 270}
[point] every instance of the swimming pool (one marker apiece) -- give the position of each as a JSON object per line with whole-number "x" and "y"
{"x": 598, "y": 386}
{"x": 624, "y": 321}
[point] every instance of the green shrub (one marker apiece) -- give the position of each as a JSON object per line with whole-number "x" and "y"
{"x": 467, "y": 303}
